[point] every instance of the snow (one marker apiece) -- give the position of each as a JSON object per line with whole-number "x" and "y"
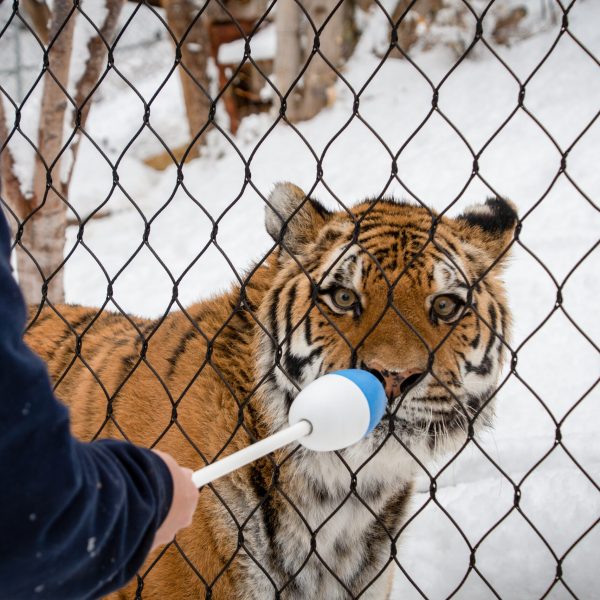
{"x": 557, "y": 369}
{"x": 263, "y": 46}
{"x": 512, "y": 558}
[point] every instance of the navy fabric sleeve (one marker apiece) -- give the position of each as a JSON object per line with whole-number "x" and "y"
{"x": 76, "y": 520}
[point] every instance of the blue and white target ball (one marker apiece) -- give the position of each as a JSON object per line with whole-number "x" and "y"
{"x": 343, "y": 407}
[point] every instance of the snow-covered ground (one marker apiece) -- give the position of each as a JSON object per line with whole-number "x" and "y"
{"x": 557, "y": 369}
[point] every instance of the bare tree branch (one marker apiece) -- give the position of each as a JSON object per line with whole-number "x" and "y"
{"x": 11, "y": 189}
{"x": 40, "y": 16}
{"x": 97, "y": 52}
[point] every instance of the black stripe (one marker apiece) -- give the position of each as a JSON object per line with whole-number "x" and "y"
{"x": 189, "y": 335}
{"x": 375, "y": 537}
{"x": 288, "y": 313}
{"x": 477, "y": 338}
{"x": 295, "y": 364}
{"x": 41, "y": 318}
{"x": 71, "y": 331}
{"x": 273, "y": 312}
{"x": 329, "y": 237}
{"x": 270, "y": 516}
{"x": 128, "y": 362}
{"x": 485, "y": 366}
{"x": 308, "y": 329}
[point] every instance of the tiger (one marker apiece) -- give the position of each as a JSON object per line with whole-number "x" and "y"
{"x": 388, "y": 286}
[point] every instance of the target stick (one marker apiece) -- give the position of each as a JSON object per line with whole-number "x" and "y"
{"x": 331, "y": 413}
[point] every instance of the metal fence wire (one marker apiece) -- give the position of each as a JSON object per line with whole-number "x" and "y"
{"x": 269, "y": 492}
{"x": 22, "y": 55}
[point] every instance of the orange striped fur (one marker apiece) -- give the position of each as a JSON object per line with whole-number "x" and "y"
{"x": 207, "y": 381}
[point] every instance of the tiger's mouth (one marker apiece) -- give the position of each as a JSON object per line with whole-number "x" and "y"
{"x": 432, "y": 426}
{"x": 434, "y": 418}
{"x": 396, "y": 387}
{"x": 415, "y": 411}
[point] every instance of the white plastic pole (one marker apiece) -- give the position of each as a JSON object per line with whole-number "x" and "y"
{"x": 251, "y": 453}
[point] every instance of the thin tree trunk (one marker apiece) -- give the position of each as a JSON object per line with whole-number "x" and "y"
{"x": 195, "y": 50}
{"x": 335, "y": 25}
{"x": 320, "y": 77}
{"x": 10, "y": 188}
{"x": 44, "y": 227}
{"x": 289, "y": 55}
{"x": 40, "y": 16}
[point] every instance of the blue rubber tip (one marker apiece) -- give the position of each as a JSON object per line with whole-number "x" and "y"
{"x": 373, "y": 390}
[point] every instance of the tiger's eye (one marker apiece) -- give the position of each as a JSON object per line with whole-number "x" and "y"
{"x": 445, "y": 306}
{"x": 344, "y": 298}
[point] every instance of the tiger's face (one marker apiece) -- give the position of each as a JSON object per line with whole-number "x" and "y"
{"x": 392, "y": 288}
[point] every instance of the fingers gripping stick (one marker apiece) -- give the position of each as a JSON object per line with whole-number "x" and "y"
{"x": 333, "y": 412}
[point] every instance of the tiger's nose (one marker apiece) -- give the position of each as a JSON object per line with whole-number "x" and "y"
{"x": 395, "y": 382}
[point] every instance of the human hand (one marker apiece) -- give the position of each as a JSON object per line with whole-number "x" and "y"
{"x": 185, "y": 499}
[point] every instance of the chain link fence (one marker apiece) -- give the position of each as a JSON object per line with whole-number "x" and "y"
{"x": 363, "y": 558}
{"x": 22, "y": 52}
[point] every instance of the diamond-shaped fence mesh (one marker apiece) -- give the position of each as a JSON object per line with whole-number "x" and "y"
{"x": 175, "y": 120}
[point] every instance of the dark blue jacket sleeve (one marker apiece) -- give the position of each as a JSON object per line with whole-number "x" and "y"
{"x": 76, "y": 520}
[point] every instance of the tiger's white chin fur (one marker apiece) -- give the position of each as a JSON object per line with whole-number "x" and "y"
{"x": 338, "y": 495}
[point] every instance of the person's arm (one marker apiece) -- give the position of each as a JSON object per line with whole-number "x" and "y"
{"x": 76, "y": 520}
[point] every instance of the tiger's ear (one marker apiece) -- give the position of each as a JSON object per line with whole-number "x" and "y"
{"x": 292, "y": 218}
{"x": 490, "y": 226}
